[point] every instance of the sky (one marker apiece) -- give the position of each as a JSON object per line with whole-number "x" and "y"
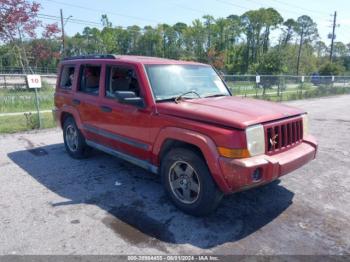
{"x": 152, "y": 12}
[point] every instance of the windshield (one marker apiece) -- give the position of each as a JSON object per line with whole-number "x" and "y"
{"x": 170, "y": 81}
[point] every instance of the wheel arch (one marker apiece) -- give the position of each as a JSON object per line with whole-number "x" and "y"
{"x": 170, "y": 143}
{"x": 171, "y": 137}
{"x": 68, "y": 111}
{"x": 64, "y": 116}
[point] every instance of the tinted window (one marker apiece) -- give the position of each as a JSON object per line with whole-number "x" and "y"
{"x": 67, "y": 77}
{"x": 89, "y": 79}
{"x": 121, "y": 78}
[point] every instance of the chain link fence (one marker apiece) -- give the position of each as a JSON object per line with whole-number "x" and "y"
{"x": 18, "y": 110}
{"x": 287, "y": 87}
{"x": 20, "y": 70}
{"x": 18, "y": 103}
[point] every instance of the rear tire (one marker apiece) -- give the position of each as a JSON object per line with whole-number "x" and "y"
{"x": 188, "y": 182}
{"x": 74, "y": 140}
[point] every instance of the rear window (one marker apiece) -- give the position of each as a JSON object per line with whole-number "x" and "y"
{"x": 89, "y": 79}
{"x": 67, "y": 77}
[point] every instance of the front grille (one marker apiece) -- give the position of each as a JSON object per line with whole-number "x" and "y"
{"x": 283, "y": 134}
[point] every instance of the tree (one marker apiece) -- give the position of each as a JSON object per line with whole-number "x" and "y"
{"x": 257, "y": 25}
{"x": 321, "y": 48}
{"x": 271, "y": 19}
{"x": 306, "y": 28}
{"x": 288, "y": 30}
{"x": 340, "y": 50}
{"x": 252, "y": 26}
{"x": 195, "y": 40}
{"x": 208, "y": 22}
{"x": 105, "y": 21}
{"x": 18, "y": 21}
{"x": 179, "y": 29}
{"x": 271, "y": 63}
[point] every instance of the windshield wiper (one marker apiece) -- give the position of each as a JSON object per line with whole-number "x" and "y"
{"x": 166, "y": 99}
{"x": 215, "y": 95}
{"x": 178, "y": 98}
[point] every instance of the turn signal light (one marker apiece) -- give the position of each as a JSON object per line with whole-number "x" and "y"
{"x": 233, "y": 152}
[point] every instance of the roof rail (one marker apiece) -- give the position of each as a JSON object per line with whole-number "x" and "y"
{"x": 108, "y": 56}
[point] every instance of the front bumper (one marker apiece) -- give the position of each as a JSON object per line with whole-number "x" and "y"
{"x": 238, "y": 173}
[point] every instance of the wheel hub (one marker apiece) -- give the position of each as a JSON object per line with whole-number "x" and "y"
{"x": 184, "y": 182}
{"x": 72, "y": 138}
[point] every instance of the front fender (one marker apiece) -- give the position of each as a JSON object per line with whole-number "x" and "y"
{"x": 203, "y": 142}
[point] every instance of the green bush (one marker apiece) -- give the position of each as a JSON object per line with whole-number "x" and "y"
{"x": 32, "y": 120}
{"x": 329, "y": 69}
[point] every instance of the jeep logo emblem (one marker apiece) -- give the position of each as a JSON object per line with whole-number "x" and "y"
{"x": 273, "y": 141}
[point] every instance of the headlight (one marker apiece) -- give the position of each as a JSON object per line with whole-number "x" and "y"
{"x": 255, "y": 140}
{"x": 305, "y": 125}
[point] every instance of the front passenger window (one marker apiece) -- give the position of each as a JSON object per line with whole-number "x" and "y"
{"x": 90, "y": 79}
{"x": 120, "y": 78}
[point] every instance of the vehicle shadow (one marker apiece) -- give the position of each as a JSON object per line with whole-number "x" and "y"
{"x": 136, "y": 206}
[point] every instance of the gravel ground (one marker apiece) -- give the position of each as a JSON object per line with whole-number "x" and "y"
{"x": 52, "y": 204}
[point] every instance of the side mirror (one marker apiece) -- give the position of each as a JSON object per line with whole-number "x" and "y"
{"x": 129, "y": 97}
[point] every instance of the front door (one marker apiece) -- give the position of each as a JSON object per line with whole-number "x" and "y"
{"x": 123, "y": 127}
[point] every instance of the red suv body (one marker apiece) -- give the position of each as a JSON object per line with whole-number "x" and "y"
{"x": 178, "y": 119}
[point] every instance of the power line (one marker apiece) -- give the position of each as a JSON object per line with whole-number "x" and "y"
{"x": 253, "y": 1}
{"x": 299, "y": 7}
{"x": 102, "y": 11}
{"x": 85, "y": 22}
{"x": 71, "y": 20}
{"x": 190, "y": 9}
{"x": 233, "y": 4}
{"x": 57, "y": 19}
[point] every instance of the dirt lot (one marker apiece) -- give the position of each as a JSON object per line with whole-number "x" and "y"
{"x": 52, "y": 204}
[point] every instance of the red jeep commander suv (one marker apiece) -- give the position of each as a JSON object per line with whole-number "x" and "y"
{"x": 178, "y": 119}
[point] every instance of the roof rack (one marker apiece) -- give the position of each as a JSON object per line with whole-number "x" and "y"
{"x": 109, "y": 56}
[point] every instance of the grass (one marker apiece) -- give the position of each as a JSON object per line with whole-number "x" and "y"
{"x": 13, "y": 124}
{"x": 307, "y": 91}
{"x": 252, "y": 90}
{"x": 22, "y": 100}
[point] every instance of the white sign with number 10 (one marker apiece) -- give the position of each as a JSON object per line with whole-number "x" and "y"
{"x": 34, "y": 81}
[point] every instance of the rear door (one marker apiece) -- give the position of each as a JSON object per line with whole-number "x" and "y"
{"x": 87, "y": 95}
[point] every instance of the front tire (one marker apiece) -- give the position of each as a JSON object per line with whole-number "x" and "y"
{"x": 188, "y": 182}
{"x": 74, "y": 140}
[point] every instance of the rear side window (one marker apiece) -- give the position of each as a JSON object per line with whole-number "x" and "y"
{"x": 67, "y": 77}
{"x": 89, "y": 79}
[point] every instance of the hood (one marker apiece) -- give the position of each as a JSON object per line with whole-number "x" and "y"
{"x": 229, "y": 111}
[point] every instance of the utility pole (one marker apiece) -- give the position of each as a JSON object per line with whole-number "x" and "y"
{"x": 62, "y": 30}
{"x": 333, "y": 35}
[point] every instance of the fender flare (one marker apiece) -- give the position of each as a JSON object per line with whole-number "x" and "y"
{"x": 203, "y": 142}
{"x": 74, "y": 112}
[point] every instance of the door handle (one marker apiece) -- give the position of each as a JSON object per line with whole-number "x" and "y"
{"x": 106, "y": 109}
{"x": 76, "y": 102}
